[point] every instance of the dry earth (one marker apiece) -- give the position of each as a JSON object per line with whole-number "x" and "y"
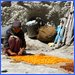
{"x": 37, "y": 47}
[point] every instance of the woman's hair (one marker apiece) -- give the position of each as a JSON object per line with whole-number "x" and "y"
{"x": 61, "y": 21}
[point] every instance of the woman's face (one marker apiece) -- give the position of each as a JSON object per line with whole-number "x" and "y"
{"x": 61, "y": 23}
{"x": 17, "y": 29}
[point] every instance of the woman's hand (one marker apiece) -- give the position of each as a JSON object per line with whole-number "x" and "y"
{"x": 13, "y": 36}
{"x": 21, "y": 51}
{"x": 11, "y": 53}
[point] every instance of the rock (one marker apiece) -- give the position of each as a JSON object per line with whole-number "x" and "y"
{"x": 6, "y": 3}
{"x": 25, "y": 11}
{"x": 4, "y": 71}
{"x": 69, "y": 67}
{"x": 3, "y": 30}
{"x": 20, "y": 3}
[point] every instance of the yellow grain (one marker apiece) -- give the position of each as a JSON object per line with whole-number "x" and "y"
{"x": 40, "y": 59}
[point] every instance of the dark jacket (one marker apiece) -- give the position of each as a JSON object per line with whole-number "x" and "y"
{"x": 20, "y": 34}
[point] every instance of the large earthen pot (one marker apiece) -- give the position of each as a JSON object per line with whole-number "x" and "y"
{"x": 46, "y": 33}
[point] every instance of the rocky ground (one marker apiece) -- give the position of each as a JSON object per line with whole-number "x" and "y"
{"x": 37, "y": 47}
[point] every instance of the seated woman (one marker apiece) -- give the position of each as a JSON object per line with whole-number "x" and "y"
{"x": 15, "y": 43}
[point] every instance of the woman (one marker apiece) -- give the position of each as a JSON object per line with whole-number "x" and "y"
{"x": 15, "y": 43}
{"x": 59, "y": 35}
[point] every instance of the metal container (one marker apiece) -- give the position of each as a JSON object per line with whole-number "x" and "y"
{"x": 32, "y": 27}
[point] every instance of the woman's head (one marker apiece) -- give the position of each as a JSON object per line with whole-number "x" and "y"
{"x": 61, "y": 22}
{"x": 16, "y": 26}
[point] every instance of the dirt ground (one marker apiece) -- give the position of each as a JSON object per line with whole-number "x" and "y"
{"x": 37, "y": 47}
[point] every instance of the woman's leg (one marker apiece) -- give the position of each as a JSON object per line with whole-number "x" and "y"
{"x": 56, "y": 39}
{"x": 11, "y": 42}
{"x": 17, "y": 45}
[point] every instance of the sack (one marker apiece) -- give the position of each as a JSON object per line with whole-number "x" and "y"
{"x": 46, "y": 33}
